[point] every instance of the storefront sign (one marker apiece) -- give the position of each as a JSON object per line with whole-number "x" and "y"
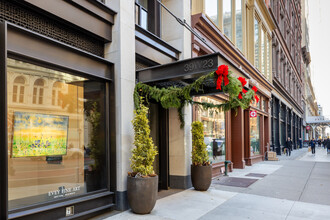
{"x": 63, "y": 192}
{"x": 308, "y": 128}
{"x": 253, "y": 114}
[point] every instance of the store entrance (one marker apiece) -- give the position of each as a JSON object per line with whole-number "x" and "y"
{"x": 158, "y": 117}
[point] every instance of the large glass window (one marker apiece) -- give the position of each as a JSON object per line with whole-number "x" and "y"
{"x": 227, "y": 18}
{"x": 255, "y": 135}
{"x": 262, "y": 57}
{"x": 239, "y": 25}
{"x": 214, "y": 129}
{"x": 256, "y": 43}
{"x": 211, "y": 9}
{"x": 54, "y": 153}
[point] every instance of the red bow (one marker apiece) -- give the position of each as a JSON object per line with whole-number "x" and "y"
{"x": 240, "y": 96}
{"x": 242, "y": 80}
{"x": 257, "y": 98}
{"x": 255, "y": 92}
{"x": 222, "y": 72}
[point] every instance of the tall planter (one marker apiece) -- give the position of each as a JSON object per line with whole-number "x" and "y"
{"x": 142, "y": 194}
{"x": 201, "y": 177}
{"x": 201, "y": 170}
{"x": 142, "y": 183}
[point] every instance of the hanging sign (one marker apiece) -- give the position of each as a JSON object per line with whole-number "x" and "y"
{"x": 253, "y": 114}
{"x": 308, "y": 127}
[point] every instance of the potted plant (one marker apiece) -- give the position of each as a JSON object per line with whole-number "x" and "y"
{"x": 201, "y": 170}
{"x": 142, "y": 182}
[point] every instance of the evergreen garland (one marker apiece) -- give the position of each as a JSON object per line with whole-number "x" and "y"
{"x": 175, "y": 97}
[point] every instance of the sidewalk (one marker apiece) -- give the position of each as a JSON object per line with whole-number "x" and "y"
{"x": 294, "y": 188}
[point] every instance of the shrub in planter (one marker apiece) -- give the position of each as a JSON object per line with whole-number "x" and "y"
{"x": 201, "y": 170}
{"x": 142, "y": 182}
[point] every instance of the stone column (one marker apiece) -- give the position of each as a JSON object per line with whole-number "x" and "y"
{"x": 121, "y": 51}
{"x": 180, "y": 140}
{"x": 237, "y": 138}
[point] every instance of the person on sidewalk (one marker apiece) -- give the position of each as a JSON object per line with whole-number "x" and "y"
{"x": 328, "y": 145}
{"x": 313, "y": 143}
{"x": 288, "y": 146}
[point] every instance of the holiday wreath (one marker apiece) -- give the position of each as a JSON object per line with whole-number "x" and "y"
{"x": 178, "y": 97}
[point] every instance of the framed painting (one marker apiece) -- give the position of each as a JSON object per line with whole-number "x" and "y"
{"x": 37, "y": 135}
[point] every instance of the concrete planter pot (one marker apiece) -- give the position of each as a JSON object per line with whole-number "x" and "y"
{"x": 201, "y": 177}
{"x": 142, "y": 194}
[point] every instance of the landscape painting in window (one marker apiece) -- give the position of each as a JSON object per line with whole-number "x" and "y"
{"x": 39, "y": 135}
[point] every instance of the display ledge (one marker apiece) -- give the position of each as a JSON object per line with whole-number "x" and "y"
{"x": 254, "y": 159}
{"x": 91, "y": 203}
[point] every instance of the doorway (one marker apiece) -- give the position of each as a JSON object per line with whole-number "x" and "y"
{"x": 158, "y": 117}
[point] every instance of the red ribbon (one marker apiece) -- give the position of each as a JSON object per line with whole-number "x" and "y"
{"x": 222, "y": 72}
{"x": 240, "y": 96}
{"x": 255, "y": 93}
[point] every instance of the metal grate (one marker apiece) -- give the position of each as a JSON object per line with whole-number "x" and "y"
{"x": 51, "y": 28}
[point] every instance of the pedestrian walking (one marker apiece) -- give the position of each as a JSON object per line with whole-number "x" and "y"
{"x": 300, "y": 143}
{"x": 313, "y": 143}
{"x": 288, "y": 146}
{"x": 328, "y": 145}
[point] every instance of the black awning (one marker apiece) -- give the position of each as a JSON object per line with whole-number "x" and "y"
{"x": 185, "y": 72}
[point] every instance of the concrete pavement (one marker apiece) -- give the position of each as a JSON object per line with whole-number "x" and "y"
{"x": 296, "y": 187}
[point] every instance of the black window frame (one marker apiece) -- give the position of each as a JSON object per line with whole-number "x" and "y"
{"x": 53, "y": 207}
{"x": 153, "y": 16}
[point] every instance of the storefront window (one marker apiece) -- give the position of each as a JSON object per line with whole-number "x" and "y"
{"x": 53, "y": 153}
{"x": 214, "y": 129}
{"x": 257, "y": 105}
{"x": 254, "y": 135}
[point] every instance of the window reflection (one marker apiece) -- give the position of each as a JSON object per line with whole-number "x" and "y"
{"x": 38, "y": 91}
{"x": 214, "y": 129}
{"x": 254, "y": 135}
{"x": 18, "y": 89}
{"x": 53, "y": 153}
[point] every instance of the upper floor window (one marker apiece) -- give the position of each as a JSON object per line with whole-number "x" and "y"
{"x": 262, "y": 48}
{"x": 147, "y": 15}
{"x": 256, "y": 43}
{"x": 141, "y": 13}
{"x": 56, "y": 97}
{"x": 18, "y": 89}
{"x": 38, "y": 91}
{"x": 227, "y": 15}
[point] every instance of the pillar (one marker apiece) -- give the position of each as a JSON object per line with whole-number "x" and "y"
{"x": 237, "y": 138}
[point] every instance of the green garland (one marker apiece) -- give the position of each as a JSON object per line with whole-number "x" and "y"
{"x": 174, "y": 97}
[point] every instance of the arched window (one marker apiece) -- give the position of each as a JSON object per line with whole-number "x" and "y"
{"x": 38, "y": 91}
{"x": 18, "y": 89}
{"x": 56, "y": 99}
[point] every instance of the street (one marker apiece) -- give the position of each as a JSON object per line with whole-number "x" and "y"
{"x": 296, "y": 187}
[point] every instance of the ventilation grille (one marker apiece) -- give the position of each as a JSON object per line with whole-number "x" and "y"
{"x": 51, "y": 28}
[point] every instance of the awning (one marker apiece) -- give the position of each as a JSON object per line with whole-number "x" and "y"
{"x": 184, "y": 72}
